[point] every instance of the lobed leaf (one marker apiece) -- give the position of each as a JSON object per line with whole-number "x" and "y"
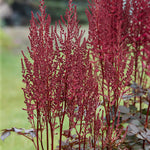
{"x": 4, "y": 135}
{"x": 21, "y": 131}
{"x": 124, "y": 109}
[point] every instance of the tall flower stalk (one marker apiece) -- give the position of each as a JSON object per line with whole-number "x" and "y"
{"x": 108, "y": 44}
{"x": 40, "y": 75}
{"x": 138, "y": 38}
{"x": 58, "y": 78}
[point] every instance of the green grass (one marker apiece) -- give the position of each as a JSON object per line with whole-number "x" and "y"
{"x": 12, "y": 102}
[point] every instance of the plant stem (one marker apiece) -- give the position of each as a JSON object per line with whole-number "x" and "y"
{"x": 37, "y": 136}
{"x": 80, "y": 133}
{"x": 94, "y": 131}
{"x": 41, "y": 137}
{"x": 52, "y": 135}
{"x": 47, "y": 135}
{"x": 61, "y": 127}
{"x": 84, "y": 141}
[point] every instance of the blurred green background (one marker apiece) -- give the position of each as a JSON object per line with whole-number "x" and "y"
{"x": 12, "y": 100}
{"x": 14, "y": 38}
{"x": 18, "y": 12}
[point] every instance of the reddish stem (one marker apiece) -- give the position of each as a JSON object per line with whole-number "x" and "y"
{"x": 47, "y": 135}
{"x": 52, "y": 135}
{"x": 37, "y": 136}
{"x": 94, "y": 132}
{"x": 41, "y": 137}
{"x": 61, "y": 128}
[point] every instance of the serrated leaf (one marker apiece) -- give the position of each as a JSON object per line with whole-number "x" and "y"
{"x": 147, "y": 134}
{"x": 5, "y": 134}
{"x": 140, "y": 136}
{"x": 133, "y": 129}
{"x": 17, "y": 130}
{"x": 135, "y": 122}
{"x": 134, "y": 85}
{"x": 125, "y": 117}
{"x": 28, "y": 131}
{"x": 143, "y": 134}
{"x": 124, "y": 109}
{"x": 33, "y": 134}
{"x": 127, "y": 97}
{"x": 148, "y": 138}
{"x": 148, "y": 131}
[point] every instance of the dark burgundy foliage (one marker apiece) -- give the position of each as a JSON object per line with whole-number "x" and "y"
{"x": 100, "y": 85}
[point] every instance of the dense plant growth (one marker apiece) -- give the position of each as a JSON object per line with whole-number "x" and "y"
{"x": 99, "y": 84}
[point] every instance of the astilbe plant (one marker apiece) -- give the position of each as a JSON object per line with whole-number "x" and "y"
{"x": 138, "y": 31}
{"x": 139, "y": 41}
{"x": 40, "y": 76}
{"x": 108, "y": 43}
{"x": 139, "y": 38}
{"x": 58, "y": 78}
{"x": 79, "y": 87}
{"x": 88, "y": 82}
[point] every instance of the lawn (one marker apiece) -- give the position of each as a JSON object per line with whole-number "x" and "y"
{"x": 12, "y": 40}
{"x": 12, "y": 102}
